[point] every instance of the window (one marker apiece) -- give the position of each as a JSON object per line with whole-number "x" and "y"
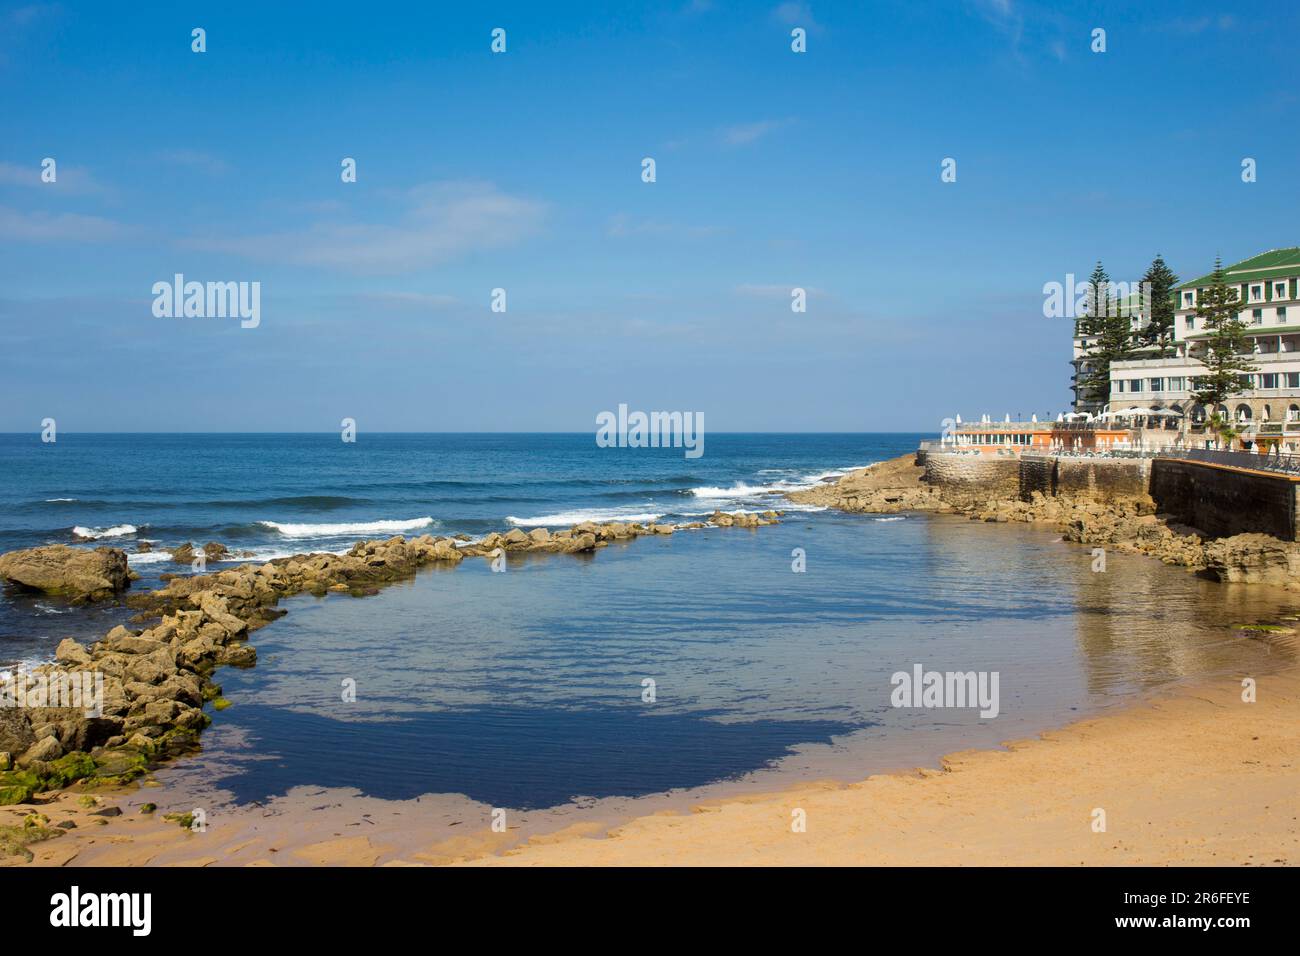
{"x": 1256, "y": 293}
{"x": 1187, "y": 299}
{"x": 1119, "y": 384}
{"x": 1257, "y": 316}
{"x": 1189, "y": 322}
{"x": 1177, "y": 383}
{"x": 1157, "y": 384}
{"x": 1279, "y": 290}
{"x": 1293, "y": 379}
{"x": 1247, "y": 381}
{"x": 1135, "y": 385}
{"x": 1281, "y": 313}
{"x": 1268, "y": 380}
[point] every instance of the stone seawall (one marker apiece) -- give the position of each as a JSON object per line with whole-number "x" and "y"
{"x": 963, "y": 479}
{"x": 967, "y": 478}
{"x": 1223, "y": 502}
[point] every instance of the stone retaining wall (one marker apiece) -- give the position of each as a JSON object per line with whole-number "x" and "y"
{"x": 1223, "y": 502}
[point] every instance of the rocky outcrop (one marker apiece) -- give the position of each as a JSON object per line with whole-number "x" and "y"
{"x": 1125, "y": 523}
{"x": 157, "y": 679}
{"x": 886, "y": 487}
{"x": 1254, "y": 559}
{"x": 79, "y": 574}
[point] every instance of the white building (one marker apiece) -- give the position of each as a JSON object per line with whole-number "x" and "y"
{"x": 1269, "y": 287}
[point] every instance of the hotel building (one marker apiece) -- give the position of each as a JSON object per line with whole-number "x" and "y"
{"x": 1267, "y": 411}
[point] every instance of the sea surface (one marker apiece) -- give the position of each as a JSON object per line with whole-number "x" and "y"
{"x": 660, "y": 664}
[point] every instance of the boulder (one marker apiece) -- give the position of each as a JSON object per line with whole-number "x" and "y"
{"x": 70, "y": 652}
{"x": 81, "y": 574}
{"x": 15, "y": 731}
{"x": 184, "y": 554}
{"x": 43, "y": 751}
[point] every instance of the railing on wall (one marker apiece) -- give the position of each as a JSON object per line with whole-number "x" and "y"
{"x": 1273, "y": 461}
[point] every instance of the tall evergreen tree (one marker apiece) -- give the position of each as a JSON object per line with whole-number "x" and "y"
{"x": 1107, "y": 319}
{"x": 1158, "y": 285}
{"x": 1225, "y": 348}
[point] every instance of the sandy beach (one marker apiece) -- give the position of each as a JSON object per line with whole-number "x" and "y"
{"x": 1196, "y": 776}
{"x": 1199, "y": 777}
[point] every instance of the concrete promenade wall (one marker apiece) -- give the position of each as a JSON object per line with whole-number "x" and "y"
{"x": 1224, "y": 501}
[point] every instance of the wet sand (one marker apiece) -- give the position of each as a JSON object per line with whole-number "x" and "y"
{"x": 1195, "y": 776}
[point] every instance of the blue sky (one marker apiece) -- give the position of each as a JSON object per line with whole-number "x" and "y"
{"x": 522, "y": 171}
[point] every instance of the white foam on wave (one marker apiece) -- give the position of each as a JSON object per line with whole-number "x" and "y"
{"x": 892, "y": 518}
{"x": 94, "y": 534}
{"x": 581, "y": 515}
{"x": 52, "y": 500}
{"x": 289, "y": 530}
{"x": 738, "y": 490}
{"x": 742, "y": 491}
{"x": 148, "y": 557}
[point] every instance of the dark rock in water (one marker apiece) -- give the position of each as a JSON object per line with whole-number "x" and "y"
{"x": 183, "y": 554}
{"x": 215, "y": 550}
{"x": 143, "y": 547}
{"x": 80, "y": 574}
{"x": 107, "y": 812}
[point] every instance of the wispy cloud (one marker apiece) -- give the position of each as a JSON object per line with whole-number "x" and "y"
{"x": 622, "y": 226}
{"x": 195, "y": 159}
{"x": 743, "y": 134}
{"x": 1194, "y": 26}
{"x": 50, "y": 227}
{"x": 72, "y": 180}
{"x": 796, "y": 15}
{"x": 438, "y": 222}
{"x": 32, "y": 12}
{"x": 772, "y": 291}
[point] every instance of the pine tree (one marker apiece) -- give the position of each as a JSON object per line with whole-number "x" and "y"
{"x": 1225, "y": 352}
{"x": 1158, "y": 286}
{"x": 1108, "y": 320}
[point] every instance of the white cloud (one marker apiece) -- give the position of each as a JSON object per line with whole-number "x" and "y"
{"x": 622, "y": 227}
{"x": 48, "y": 227}
{"x": 743, "y": 134}
{"x": 796, "y": 15}
{"x": 69, "y": 179}
{"x": 440, "y": 221}
{"x": 195, "y": 159}
{"x": 770, "y": 291}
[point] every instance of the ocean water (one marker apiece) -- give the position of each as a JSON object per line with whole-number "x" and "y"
{"x": 270, "y": 495}
{"x": 528, "y": 689}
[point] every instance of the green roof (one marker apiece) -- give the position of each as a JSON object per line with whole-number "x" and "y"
{"x": 1274, "y": 264}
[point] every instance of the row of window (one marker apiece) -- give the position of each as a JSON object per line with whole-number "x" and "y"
{"x": 997, "y": 438}
{"x": 1256, "y": 318}
{"x": 1178, "y": 383}
{"x": 1256, "y": 293}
